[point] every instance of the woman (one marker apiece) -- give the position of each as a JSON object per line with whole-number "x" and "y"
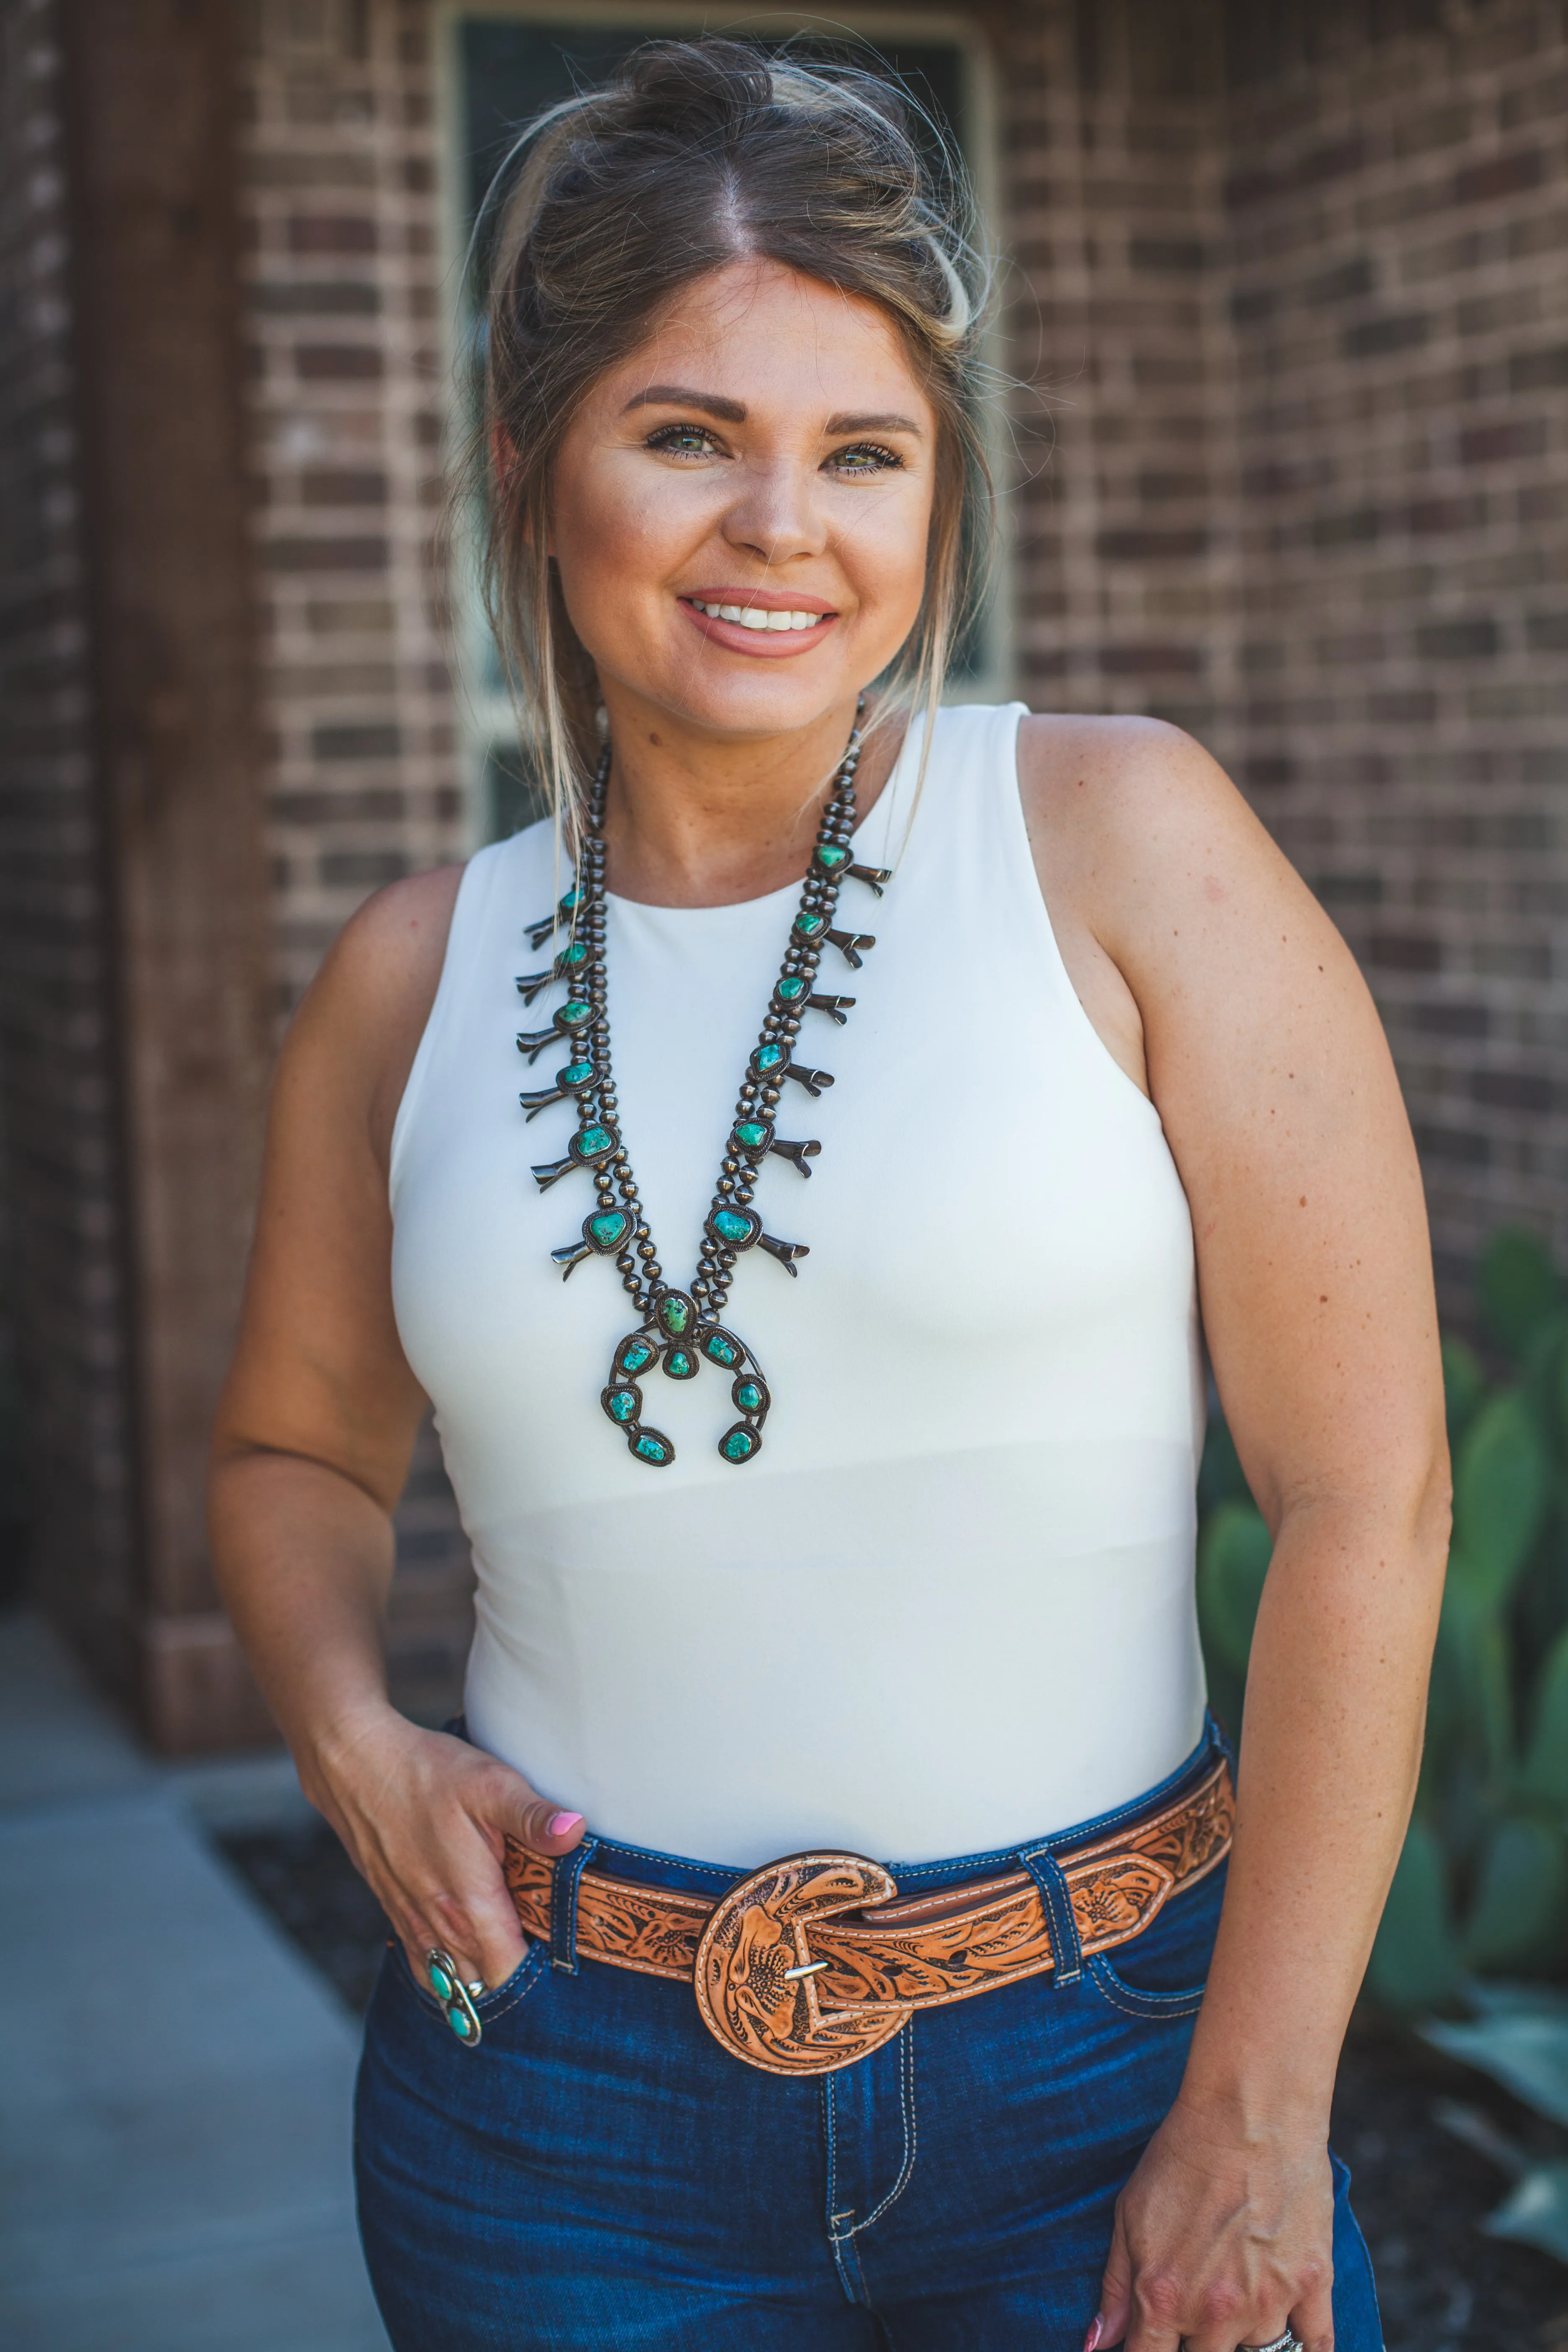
{"x": 886, "y": 1569}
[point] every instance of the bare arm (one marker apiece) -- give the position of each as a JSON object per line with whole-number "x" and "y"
{"x": 311, "y": 1447}
{"x": 1221, "y": 986}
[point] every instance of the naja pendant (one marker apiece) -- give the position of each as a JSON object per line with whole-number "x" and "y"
{"x": 678, "y": 1341}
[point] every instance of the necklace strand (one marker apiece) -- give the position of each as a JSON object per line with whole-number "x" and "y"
{"x": 681, "y": 1329}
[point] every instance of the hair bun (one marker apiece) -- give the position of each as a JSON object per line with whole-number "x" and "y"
{"x": 693, "y": 91}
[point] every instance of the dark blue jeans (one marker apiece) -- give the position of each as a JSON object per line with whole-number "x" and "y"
{"x": 600, "y": 2173}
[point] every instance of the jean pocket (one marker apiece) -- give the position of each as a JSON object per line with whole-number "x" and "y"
{"x": 1140, "y": 2000}
{"x": 1163, "y": 1971}
{"x": 486, "y": 2004}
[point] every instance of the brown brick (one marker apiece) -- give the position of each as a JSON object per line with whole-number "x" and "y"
{"x": 1538, "y": 371}
{"x": 343, "y": 487}
{"x": 1142, "y": 546}
{"x": 1493, "y": 444}
{"x": 1372, "y": 337}
{"x": 1526, "y": 1090}
{"x": 1466, "y": 1146}
{"x": 1450, "y": 1017}
{"x": 324, "y": 554}
{"x": 1499, "y": 176}
{"x": 361, "y": 869}
{"x": 315, "y": 298}
{"x": 371, "y": 739}
{"x": 1150, "y": 661}
{"x": 338, "y": 362}
{"x": 1168, "y": 255}
{"x": 331, "y": 233}
{"x": 1344, "y": 282}
{"x": 1403, "y": 951}
{"x": 1544, "y": 97}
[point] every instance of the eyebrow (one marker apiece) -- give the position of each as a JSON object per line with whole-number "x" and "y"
{"x": 734, "y": 411}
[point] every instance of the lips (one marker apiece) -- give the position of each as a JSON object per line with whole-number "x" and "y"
{"x": 754, "y": 621}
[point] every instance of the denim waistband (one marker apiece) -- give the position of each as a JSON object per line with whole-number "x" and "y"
{"x": 650, "y": 1868}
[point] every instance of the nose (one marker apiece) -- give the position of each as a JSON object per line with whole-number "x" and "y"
{"x": 776, "y": 512}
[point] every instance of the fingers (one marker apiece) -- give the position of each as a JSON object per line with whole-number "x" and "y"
{"x": 1109, "y": 2324}
{"x": 537, "y": 1823}
{"x": 1313, "y": 2319}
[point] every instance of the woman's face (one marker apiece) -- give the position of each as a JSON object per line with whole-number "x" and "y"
{"x": 742, "y": 508}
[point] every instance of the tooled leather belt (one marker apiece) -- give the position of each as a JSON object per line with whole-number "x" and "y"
{"x": 811, "y": 1962}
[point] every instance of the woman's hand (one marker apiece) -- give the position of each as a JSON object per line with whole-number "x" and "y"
{"x": 424, "y": 1818}
{"x": 1222, "y": 2239}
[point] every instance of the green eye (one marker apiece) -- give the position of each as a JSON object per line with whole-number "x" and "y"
{"x": 682, "y": 440}
{"x": 866, "y": 457}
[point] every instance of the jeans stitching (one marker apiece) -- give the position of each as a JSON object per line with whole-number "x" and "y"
{"x": 912, "y": 2134}
{"x": 841, "y": 2240}
{"x": 537, "y": 1979}
{"x": 1160, "y": 2004}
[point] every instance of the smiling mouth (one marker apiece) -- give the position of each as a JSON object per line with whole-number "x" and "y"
{"x": 753, "y": 616}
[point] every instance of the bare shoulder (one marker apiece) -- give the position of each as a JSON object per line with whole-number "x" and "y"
{"x": 1147, "y": 837}
{"x": 362, "y": 1019}
{"x": 1096, "y": 780}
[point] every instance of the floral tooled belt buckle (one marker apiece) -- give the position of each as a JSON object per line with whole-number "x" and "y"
{"x": 756, "y": 1977}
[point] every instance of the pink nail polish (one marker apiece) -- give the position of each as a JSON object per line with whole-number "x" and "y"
{"x": 1092, "y": 2338}
{"x": 560, "y": 1824}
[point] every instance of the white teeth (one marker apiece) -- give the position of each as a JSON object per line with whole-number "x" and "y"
{"x": 751, "y": 617}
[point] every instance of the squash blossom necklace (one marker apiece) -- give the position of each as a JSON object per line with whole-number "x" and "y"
{"x": 677, "y": 1330}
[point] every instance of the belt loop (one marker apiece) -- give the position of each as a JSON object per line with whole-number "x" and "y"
{"x": 1067, "y": 1945}
{"x": 1217, "y": 1740}
{"x": 567, "y": 1870}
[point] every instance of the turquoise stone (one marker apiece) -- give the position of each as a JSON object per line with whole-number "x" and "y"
{"x": 593, "y": 1139}
{"x": 751, "y": 1134}
{"x": 674, "y": 1316}
{"x": 810, "y": 926}
{"x": 607, "y": 1230}
{"x": 749, "y": 1397}
{"x": 738, "y": 1445}
{"x": 730, "y": 1225}
{"x": 650, "y": 1448}
{"x": 572, "y": 954}
{"x": 576, "y": 1074}
{"x": 791, "y": 986}
{"x": 572, "y": 900}
{"x": 832, "y": 855}
{"x": 441, "y": 1984}
{"x": 720, "y": 1350}
{"x": 575, "y": 1013}
{"x": 621, "y": 1405}
{"x": 679, "y": 1364}
{"x": 768, "y": 1058}
{"x": 636, "y": 1355}
{"x": 458, "y": 2022}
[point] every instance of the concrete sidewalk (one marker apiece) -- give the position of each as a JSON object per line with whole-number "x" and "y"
{"x": 175, "y": 2077}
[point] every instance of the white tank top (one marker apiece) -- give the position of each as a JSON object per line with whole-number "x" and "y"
{"x": 950, "y": 1604}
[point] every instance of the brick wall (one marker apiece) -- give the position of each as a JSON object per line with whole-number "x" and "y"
{"x": 1124, "y": 514}
{"x": 1295, "y": 301}
{"x": 57, "y": 1056}
{"x": 1400, "y": 302}
{"x": 348, "y": 381}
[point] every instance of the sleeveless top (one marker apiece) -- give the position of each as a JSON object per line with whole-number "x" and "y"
{"x": 950, "y": 1604}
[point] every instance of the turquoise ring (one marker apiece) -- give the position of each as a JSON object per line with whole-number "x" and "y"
{"x": 453, "y": 1995}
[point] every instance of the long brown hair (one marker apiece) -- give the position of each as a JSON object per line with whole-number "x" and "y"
{"x": 696, "y": 154}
